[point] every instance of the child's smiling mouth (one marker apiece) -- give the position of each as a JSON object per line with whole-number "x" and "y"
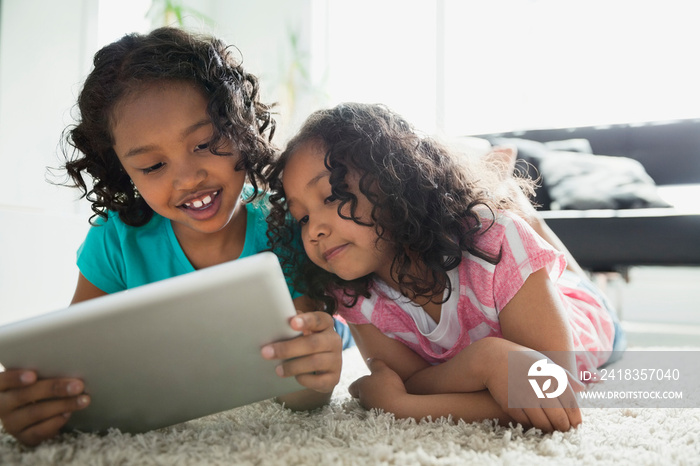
{"x": 329, "y": 254}
{"x": 200, "y": 203}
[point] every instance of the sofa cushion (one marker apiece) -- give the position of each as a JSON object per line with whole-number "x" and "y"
{"x": 582, "y": 181}
{"x": 570, "y": 145}
{"x": 585, "y": 181}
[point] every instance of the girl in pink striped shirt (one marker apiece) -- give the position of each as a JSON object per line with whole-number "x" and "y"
{"x": 428, "y": 258}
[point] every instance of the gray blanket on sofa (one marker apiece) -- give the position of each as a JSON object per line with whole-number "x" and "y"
{"x": 585, "y": 181}
{"x": 574, "y": 178}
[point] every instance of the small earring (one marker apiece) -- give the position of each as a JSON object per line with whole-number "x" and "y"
{"x": 137, "y": 194}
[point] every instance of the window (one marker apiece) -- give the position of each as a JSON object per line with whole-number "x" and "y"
{"x": 116, "y": 18}
{"x": 470, "y": 67}
{"x": 384, "y": 52}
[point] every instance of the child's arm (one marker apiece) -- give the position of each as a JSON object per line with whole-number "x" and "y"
{"x": 373, "y": 344}
{"x": 85, "y": 290}
{"x": 384, "y": 389}
{"x": 465, "y": 372}
{"x": 434, "y": 390}
{"x": 391, "y": 362}
{"x": 536, "y": 318}
{"x": 314, "y": 358}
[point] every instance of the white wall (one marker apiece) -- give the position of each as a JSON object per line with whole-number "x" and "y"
{"x": 37, "y": 261}
{"x": 42, "y": 62}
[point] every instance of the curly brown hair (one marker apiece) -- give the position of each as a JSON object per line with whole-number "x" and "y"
{"x": 165, "y": 54}
{"x": 425, "y": 200}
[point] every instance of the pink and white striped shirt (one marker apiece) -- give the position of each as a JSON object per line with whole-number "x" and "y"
{"x": 480, "y": 290}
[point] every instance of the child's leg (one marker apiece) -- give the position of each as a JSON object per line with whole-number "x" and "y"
{"x": 505, "y": 157}
{"x": 541, "y": 227}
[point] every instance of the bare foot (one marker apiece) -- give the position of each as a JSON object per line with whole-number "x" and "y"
{"x": 504, "y": 157}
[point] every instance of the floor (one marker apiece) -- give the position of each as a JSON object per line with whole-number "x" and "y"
{"x": 659, "y": 306}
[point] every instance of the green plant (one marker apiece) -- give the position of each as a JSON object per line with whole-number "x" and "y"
{"x": 169, "y": 12}
{"x": 295, "y": 77}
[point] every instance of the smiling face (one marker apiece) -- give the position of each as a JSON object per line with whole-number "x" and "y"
{"x": 161, "y": 135}
{"x": 338, "y": 245}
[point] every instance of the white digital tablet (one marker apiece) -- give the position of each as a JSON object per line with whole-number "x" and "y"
{"x": 166, "y": 352}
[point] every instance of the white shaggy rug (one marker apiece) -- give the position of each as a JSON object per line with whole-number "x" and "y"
{"x": 344, "y": 433}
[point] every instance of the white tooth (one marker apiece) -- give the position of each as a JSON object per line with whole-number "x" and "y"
{"x": 197, "y": 204}
{"x": 207, "y": 200}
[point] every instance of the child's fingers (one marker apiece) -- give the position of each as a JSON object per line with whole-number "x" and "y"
{"x": 569, "y": 402}
{"x": 322, "y": 382}
{"x": 317, "y": 342}
{"x": 560, "y": 413}
{"x": 539, "y": 419}
{"x": 574, "y": 382}
{"x": 24, "y": 419}
{"x": 318, "y": 362}
{"x": 311, "y": 322}
{"x": 46, "y": 389}
{"x": 574, "y": 415}
{"x": 49, "y": 428}
{"x": 16, "y": 379}
{"x": 320, "y": 371}
{"x": 314, "y": 358}
{"x": 354, "y": 388}
{"x": 558, "y": 419}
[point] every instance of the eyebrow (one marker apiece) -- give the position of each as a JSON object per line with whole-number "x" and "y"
{"x": 183, "y": 134}
{"x": 317, "y": 178}
{"x": 312, "y": 181}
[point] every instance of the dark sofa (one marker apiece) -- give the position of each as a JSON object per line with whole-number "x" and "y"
{"x": 618, "y": 195}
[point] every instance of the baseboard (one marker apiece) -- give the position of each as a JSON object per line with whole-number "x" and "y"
{"x": 661, "y": 334}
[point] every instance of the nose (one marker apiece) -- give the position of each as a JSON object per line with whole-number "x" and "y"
{"x": 318, "y": 228}
{"x": 189, "y": 173}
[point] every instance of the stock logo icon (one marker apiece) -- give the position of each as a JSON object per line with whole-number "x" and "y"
{"x": 542, "y": 368}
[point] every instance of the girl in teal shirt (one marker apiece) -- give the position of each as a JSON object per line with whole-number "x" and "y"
{"x": 171, "y": 149}
{"x": 116, "y": 256}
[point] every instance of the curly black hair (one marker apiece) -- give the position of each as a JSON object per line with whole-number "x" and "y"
{"x": 165, "y": 54}
{"x": 425, "y": 200}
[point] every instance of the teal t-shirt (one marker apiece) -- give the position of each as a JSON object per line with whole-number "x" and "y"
{"x": 115, "y": 256}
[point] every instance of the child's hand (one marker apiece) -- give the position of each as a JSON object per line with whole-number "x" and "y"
{"x": 315, "y": 357}
{"x": 382, "y": 389}
{"x": 34, "y": 410}
{"x": 548, "y": 414}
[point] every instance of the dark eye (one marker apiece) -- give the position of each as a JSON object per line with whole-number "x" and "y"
{"x": 330, "y": 199}
{"x": 153, "y": 168}
{"x": 201, "y": 147}
{"x": 304, "y": 220}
